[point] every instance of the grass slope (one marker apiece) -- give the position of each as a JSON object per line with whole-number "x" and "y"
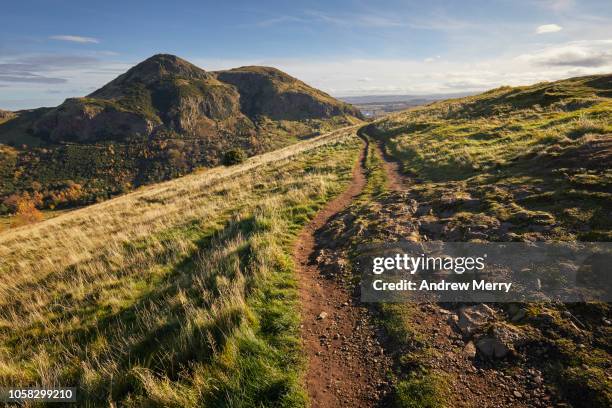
{"x": 514, "y": 164}
{"x": 179, "y": 294}
{"x": 536, "y": 155}
{"x": 162, "y": 119}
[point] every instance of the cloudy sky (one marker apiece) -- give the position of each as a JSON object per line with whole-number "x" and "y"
{"x": 51, "y": 50}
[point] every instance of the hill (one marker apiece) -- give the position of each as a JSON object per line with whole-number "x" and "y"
{"x": 162, "y": 118}
{"x": 185, "y": 293}
{"x": 520, "y": 164}
{"x": 178, "y": 294}
{"x": 5, "y": 115}
{"x": 545, "y": 148}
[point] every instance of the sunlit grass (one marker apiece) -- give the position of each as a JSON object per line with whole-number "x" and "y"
{"x": 179, "y": 294}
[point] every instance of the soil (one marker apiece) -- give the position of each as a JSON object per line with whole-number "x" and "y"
{"x": 396, "y": 181}
{"x": 346, "y": 364}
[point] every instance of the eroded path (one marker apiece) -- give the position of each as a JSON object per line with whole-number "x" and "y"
{"x": 396, "y": 181}
{"x": 346, "y": 365}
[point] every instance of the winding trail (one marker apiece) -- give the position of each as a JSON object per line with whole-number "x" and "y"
{"x": 396, "y": 181}
{"x": 346, "y": 366}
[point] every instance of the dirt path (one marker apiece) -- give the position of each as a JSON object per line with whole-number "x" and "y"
{"x": 346, "y": 365}
{"x": 396, "y": 180}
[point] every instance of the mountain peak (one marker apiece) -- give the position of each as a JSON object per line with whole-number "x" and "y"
{"x": 155, "y": 68}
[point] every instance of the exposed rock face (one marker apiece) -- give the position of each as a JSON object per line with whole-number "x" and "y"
{"x": 161, "y": 119}
{"x": 75, "y": 121}
{"x": 168, "y": 94}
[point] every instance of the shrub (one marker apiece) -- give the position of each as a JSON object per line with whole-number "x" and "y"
{"x": 234, "y": 156}
{"x": 16, "y": 202}
{"x": 27, "y": 213}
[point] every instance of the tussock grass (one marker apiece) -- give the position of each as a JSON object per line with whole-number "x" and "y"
{"x": 179, "y": 294}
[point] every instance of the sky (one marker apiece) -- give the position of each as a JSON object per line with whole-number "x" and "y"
{"x": 54, "y": 49}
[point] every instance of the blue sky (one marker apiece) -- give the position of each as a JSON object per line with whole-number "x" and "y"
{"x": 51, "y": 50}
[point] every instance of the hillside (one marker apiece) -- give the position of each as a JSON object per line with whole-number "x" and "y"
{"x": 240, "y": 285}
{"x": 535, "y": 155}
{"x": 519, "y": 164}
{"x": 179, "y": 294}
{"x": 161, "y": 119}
{"x": 5, "y": 115}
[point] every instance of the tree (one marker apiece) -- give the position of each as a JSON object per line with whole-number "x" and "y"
{"x": 27, "y": 213}
{"x": 234, "y": 156}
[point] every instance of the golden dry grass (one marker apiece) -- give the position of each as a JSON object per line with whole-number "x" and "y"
{"x": 156, "y": 293}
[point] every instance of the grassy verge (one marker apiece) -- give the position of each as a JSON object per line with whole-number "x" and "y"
{"x": 179, "y": 295}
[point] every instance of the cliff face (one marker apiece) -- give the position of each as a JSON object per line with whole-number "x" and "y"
{"x": 167, "y": 93}
{"x": 84, "y": 120}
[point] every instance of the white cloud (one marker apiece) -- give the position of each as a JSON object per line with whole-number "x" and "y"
{"x": 548, "y": 28}
{"x": 75, "y": 38}
{"x": 347, "y": 76}
{"x": 573, "y": 54}
{"x": 27, "y": 78}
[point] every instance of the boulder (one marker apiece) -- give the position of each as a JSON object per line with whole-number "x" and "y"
{"x": 498, "y": 342}
{"x": 469, "y": 350}
{"x": 473, "y": 318}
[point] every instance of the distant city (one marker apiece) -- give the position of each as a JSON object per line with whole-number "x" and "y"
{"x": 373, "y": 106}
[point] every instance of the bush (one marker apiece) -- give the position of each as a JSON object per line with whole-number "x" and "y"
{"x": 26, "y": 213}
{"x": 23, "y": 207}
{"x": 234, "y": 156}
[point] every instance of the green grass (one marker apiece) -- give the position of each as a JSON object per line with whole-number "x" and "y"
{"x": 414, "y": 383}
{"x": 201, "y": 312}
{"x": 535, "y": 158}
{"x": 525, "y": 154}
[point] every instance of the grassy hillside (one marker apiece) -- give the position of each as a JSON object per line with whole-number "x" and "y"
{"x": 5, "y": 115}
{"x": 512, "y": 164}
{"x": 179, "y": 294}
{"x": 536, "y": 158}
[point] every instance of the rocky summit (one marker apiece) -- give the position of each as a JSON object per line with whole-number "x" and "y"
{"x": 167, "y": 93}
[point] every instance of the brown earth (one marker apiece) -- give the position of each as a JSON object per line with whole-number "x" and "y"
{"x": 346, "y": 364}
{"x": 396, "y": 181}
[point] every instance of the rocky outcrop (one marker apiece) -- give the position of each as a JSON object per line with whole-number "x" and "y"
{"x": 473, "y": 318}
{"x": 499, "y": 342}
{"x": 168, "y": 94}
{"x": 82, "y": 120}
